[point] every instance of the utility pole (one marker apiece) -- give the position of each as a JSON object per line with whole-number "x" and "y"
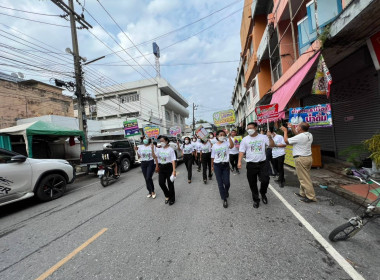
{"x": 78, "y": 76}
{"x": 194, "y": 108}
{"x": 79, "y": 88}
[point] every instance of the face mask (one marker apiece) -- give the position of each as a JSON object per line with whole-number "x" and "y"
{"x": 222, "y": 138}
{"x": 194, "y": 140}
{"x": 186, "y": 141}
{"x": 163, "y": 144}
{"x": 251, "y": 131}
{"x": 211, "y": 136}
{"x": 146, "y": 141}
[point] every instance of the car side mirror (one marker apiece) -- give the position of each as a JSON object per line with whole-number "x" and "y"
{"x": 18, "y": 158}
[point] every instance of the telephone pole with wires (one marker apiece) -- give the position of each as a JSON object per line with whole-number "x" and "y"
{"x": 194, "y": 108}
{"x": 79, "y": 87}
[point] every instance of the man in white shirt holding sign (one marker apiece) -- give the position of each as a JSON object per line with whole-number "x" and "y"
{"x": 278, "y": 156}
{"x": 302, "y": 158}
{"x": 254, "y": 147}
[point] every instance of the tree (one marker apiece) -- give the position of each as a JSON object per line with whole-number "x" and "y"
{"x": 201, "y": 121}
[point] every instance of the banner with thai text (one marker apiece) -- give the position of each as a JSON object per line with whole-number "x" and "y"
{"x": 151, "y": 131}
{"x": 315, "y": 116}
{"x": 224, "y": 117}
{"x": 267, "y": 113}
{"x": 131, "y": 128}
{"x": 202, "y": 133}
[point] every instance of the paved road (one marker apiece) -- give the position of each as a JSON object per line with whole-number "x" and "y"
{"x": 196, "y": 238}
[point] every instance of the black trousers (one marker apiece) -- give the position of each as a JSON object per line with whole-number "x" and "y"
{"x": 260, "y": 170}
{"x": 279, "y": 166}
{"x": 148, "y": 168}
{"x": 164, "y": 174}
{"x": 188, "y": 160}
{"x": 234, "y": 161}
{"x": 206, "y": 162}
{"x": 270, "y": 163}
{"x": 199, "y": 163}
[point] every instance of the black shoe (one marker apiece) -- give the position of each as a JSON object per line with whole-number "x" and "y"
{"x": 210, "y": 177}
{"x": 297, "y": 194}
{"x": 205, "y": 181}
{"x": 227, "y": 195}
{"x": 264, "y": 199}
{"x": 306, "y": 200}
{"x": 256, "y": 204}
{"x": 282, "y": 184}
{"x": 225, "y": 203}
{"x": 166, "y": 201}
{"x": 171, "y": 202}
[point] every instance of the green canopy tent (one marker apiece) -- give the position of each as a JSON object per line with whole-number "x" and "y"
{"x": 29, "y": 130}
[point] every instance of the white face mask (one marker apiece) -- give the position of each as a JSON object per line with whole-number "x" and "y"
{"x": 221, "y": 138}
{"x": 186, "y": 141}
{"x": 211, "y": 136}
{"x": 194, "y": 140}
{"x": 251, "y": 131}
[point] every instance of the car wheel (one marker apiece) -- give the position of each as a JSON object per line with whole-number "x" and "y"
{"x": 51, "y": 187}
{"x": 125, "y": 165}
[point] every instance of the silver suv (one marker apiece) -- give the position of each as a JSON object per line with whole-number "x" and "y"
{"x": 22, "y": 177}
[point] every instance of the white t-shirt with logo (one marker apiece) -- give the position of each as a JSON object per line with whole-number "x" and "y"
{"x": 254, "y": 147}
{"x": 145, "y": 152}
{"x": 206, "y": 147}
{"x": 301, "y": 144}
{"x": 235, "y": 149}
{"x": 187, "y": 148}
{"x": 278, "y": 151}
{"x": 220, "y": 152}
{"x": 165, "y": 155}
{"x": 198, "y": 146}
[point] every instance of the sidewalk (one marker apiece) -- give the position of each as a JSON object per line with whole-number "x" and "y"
{"x": 332, "y": 178}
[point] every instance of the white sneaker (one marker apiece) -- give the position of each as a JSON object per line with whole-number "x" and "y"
{"x": 154, "y": 195}
{"x": 149, "y": 196}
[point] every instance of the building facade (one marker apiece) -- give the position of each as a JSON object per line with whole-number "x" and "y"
{"x": 150, "y": 102}
{"x": 281, "y": 43}
{"x": 30, "y": 98}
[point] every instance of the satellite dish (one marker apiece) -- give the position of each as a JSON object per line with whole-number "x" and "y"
{"x": 68, "y": 50}
{"x": 14, "y": 75}
{"x": 21, "y": 75}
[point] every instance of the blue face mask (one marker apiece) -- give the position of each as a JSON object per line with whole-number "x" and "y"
{"x": 146, "y": 141}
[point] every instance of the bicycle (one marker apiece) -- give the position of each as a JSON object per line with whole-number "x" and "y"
{"x": 355, "y": 224}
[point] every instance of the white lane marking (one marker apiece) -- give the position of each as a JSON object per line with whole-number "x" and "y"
{"x": 330, "y": 249}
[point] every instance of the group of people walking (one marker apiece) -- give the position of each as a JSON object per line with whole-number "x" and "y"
{"x": 221, "y": 154}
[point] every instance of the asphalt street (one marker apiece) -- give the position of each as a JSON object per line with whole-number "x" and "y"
{"x": 118, "y": 233}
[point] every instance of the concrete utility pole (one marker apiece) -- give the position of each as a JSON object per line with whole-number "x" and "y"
{"x": 194, "y": 108}
{"x": 78, "y": 76}
{"x": 79, "y": 88}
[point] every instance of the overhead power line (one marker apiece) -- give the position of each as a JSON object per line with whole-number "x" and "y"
{"x": 29, "y": 12}
{"x": 43, "y": 22}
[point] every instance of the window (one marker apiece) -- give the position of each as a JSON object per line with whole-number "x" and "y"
{"x": 130, "y": 97}
{"x": 121, "y": 145}
{"x": 175, "y": 118}
{"x": 168, "y": 116}
{"x": 328, "y": 10}
{"x": 276, "y": 68}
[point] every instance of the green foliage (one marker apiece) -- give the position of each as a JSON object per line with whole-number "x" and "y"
{"x": 201, "y": 121}
{"x": 325, "y": 34}
{"x": 355, "y": 154}
{"x": 373, "y": 146}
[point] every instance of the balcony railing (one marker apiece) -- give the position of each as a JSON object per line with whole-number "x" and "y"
{"x": 263, "y": 45}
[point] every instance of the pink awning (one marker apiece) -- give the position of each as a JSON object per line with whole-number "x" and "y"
{"x": 283, "y": 95}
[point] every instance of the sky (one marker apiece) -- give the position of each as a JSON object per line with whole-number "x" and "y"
{"x": 188, "y": 51}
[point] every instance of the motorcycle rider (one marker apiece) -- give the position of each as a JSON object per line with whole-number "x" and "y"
{"x": 111, "y": 158}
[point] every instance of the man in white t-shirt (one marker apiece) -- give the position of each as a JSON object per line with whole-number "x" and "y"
{"x": 254, "y": 147}
{"x": 302, "y": 158}
{"x": 278, "y": 156}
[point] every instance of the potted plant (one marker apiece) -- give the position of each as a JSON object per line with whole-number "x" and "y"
{"x": 355, "y": 154}
{"x": 373, "y": 146}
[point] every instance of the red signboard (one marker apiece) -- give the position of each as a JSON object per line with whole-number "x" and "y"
{"x": 267, "y": 113}
{"x": 374, "y": 48}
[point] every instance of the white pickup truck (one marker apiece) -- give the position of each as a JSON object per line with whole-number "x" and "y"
{"x": 22, "y": 177}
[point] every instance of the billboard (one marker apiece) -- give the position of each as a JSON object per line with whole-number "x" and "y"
{"x": 267, "y": 113}
{"x": 224, "y": 117}
{"x": 131, "y": 128}
{"x": 175, "y": 130}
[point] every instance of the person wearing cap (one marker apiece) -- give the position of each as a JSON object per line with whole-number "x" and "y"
{"x": 303, "y": 158}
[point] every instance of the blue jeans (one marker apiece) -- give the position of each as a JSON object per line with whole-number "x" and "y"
{"x": 222, "y": 174}
{"x": 148, "y": 168}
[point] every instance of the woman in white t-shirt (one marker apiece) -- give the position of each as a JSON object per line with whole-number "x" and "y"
{"x": 145, "y": 153}
{"x": 220, "y": 164}
{"x": 165, "y": 166}
{"x": 187, "y": 149}
{"x": 205, "y": 157}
